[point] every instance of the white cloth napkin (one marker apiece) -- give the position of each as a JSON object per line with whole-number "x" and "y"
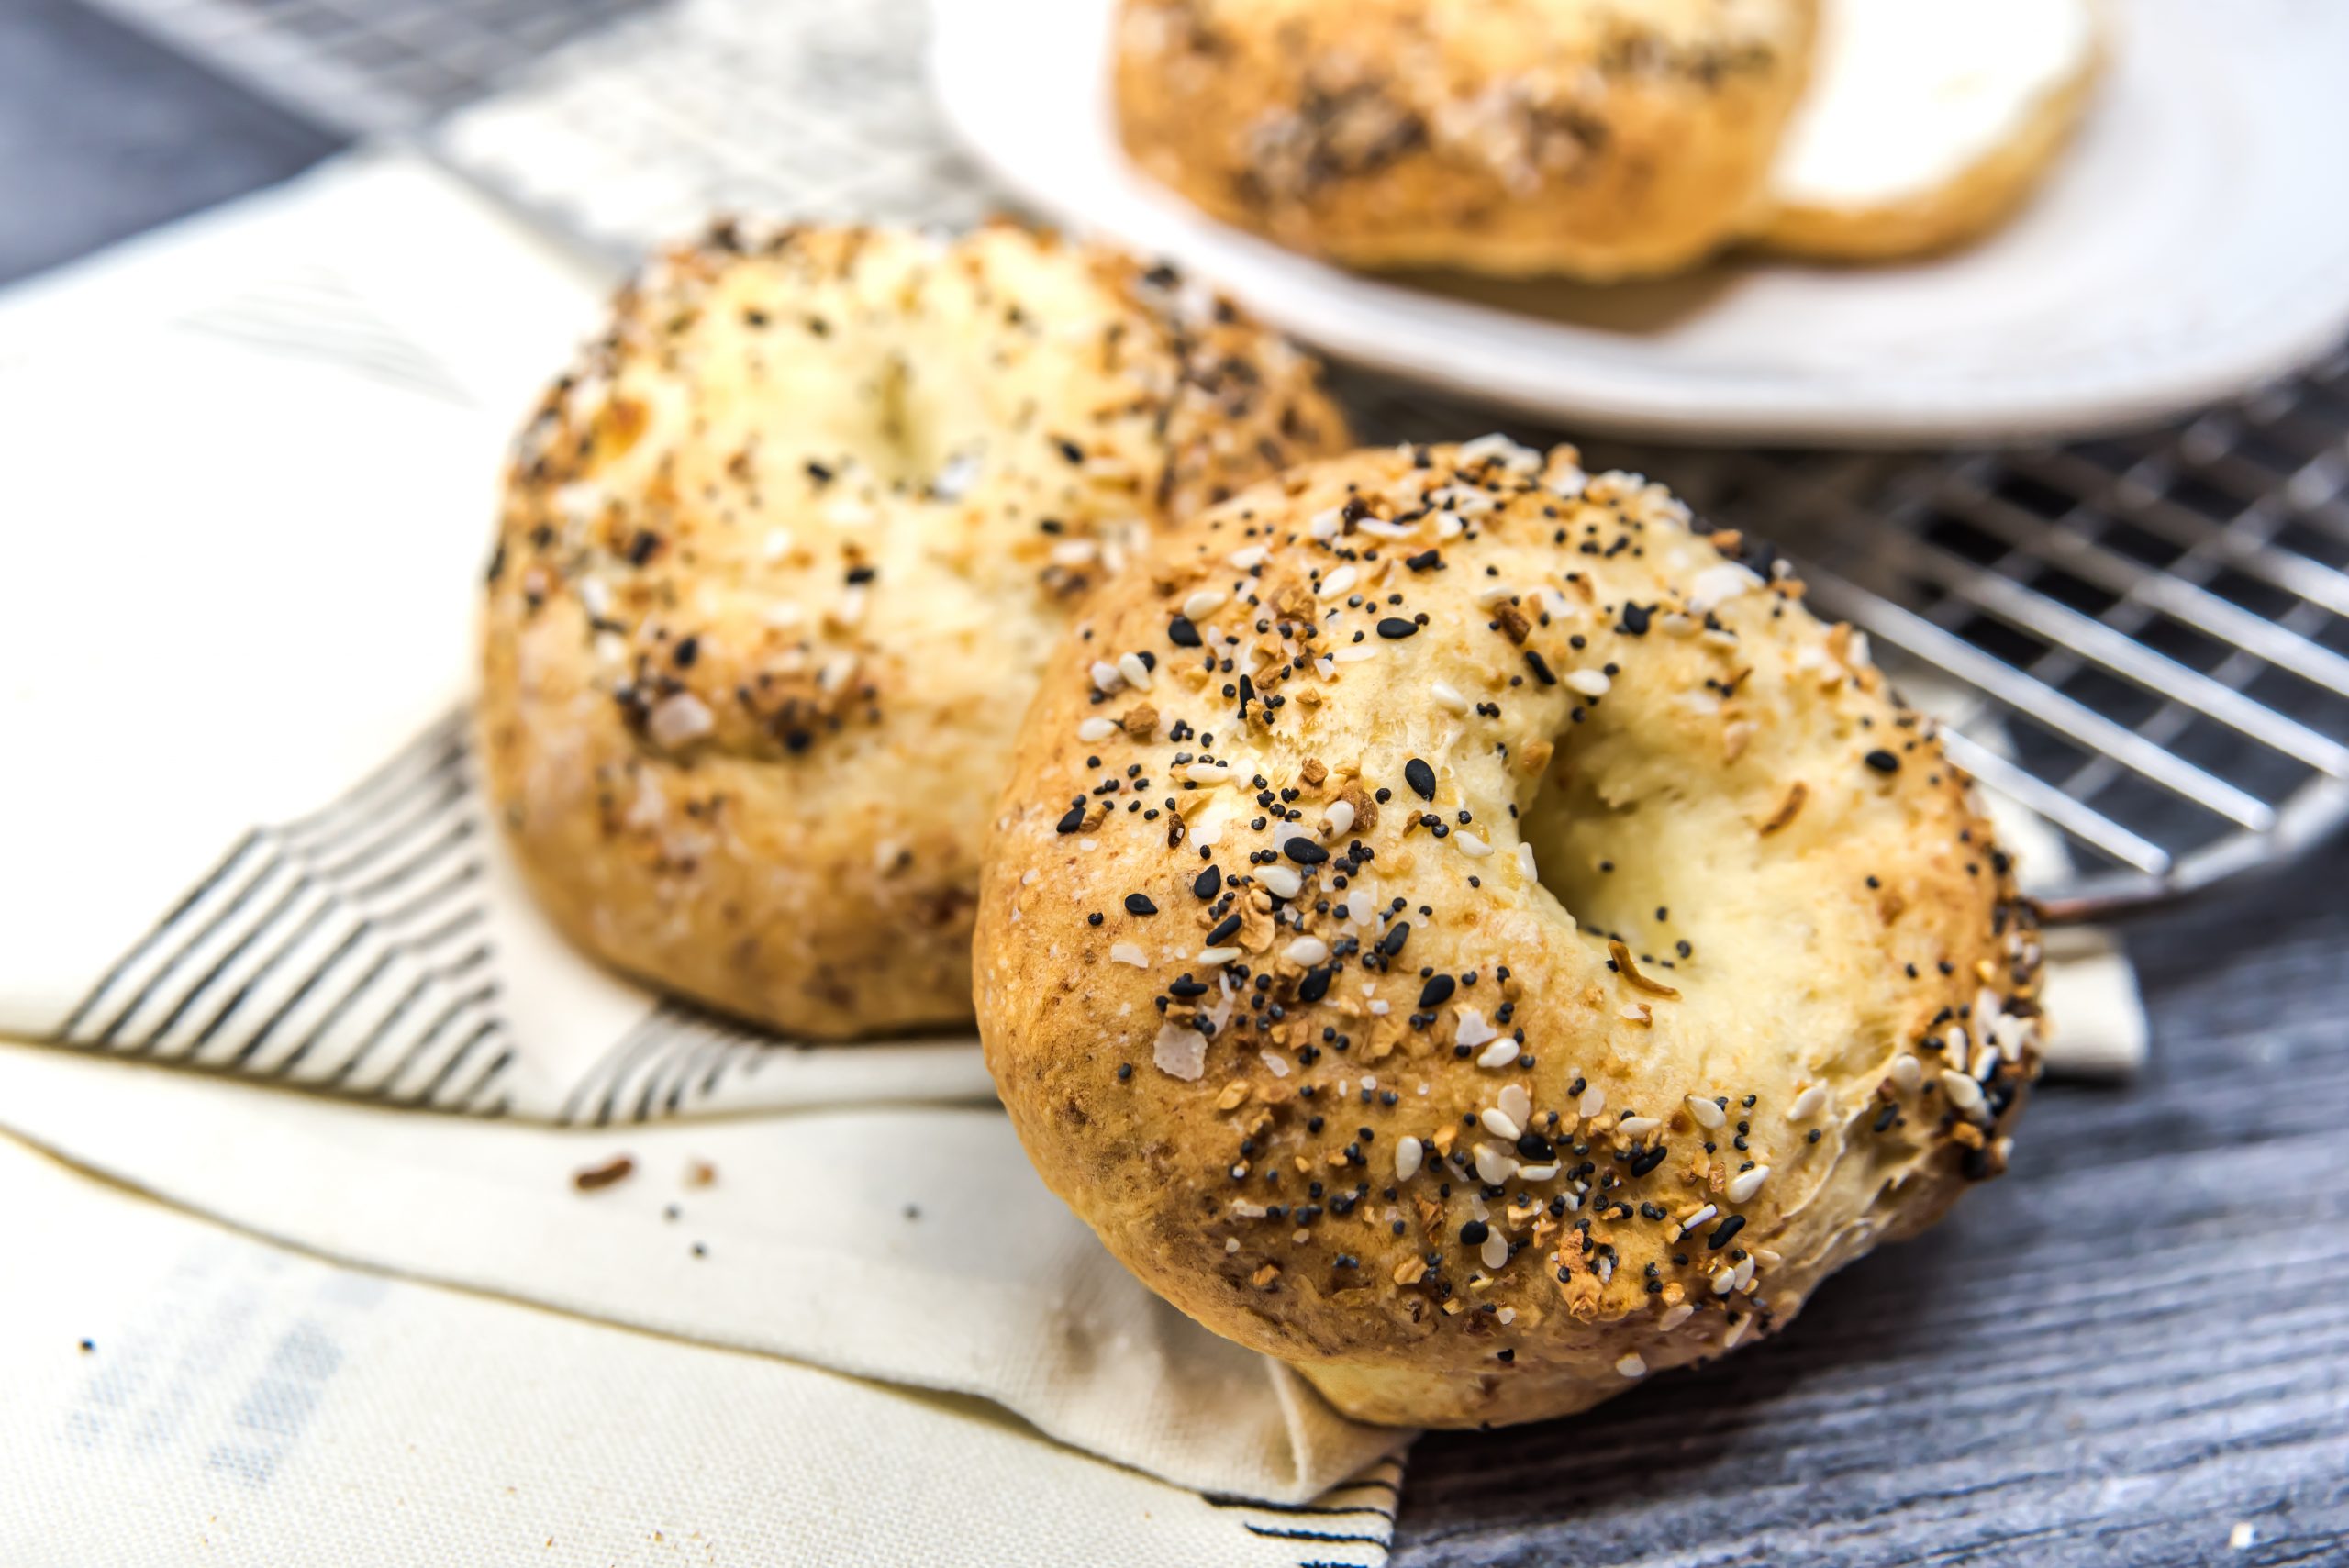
{"x": 260, "y": 453}
{"x": 241, "y": 1405}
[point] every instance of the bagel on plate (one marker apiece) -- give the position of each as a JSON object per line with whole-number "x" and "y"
{"x": 1457, "y": 926}
{"x": 779, "y": 561}
{"x": 1597, "y": 138}
{"x": 1928, "y": 123}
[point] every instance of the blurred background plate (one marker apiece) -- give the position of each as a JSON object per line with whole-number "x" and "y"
{"x": 2194, "y": 240}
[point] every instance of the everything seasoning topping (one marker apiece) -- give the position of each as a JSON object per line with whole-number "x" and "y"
{"x": 1314, "y": 1042}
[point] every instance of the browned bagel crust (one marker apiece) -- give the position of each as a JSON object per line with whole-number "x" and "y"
{"x": 1597, "y": 138}
{"x": 1797, "y": 938}
{"x": 779, "y": 559}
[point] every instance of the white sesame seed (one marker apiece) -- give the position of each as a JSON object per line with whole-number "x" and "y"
{"x": 1808, "y": 1104}
{"x": 1204, "y": 603}
{"x": 1494, "y": 593}
{"x": 1697, "y": 1217}
{"x": 1136, "y": 673}
{"x": 1249, "y": 558}
{"x": 1547, "y": 1172}
{"x": 1985, "y": 1061}
{"x": 1675, "y": 1315}
{"x": 1380, "y": 527}
{"x": 1593, "y": 1101}
{"x": 1517, "y": 1104}
{"x": 1498, "y": 448}
{"x": 1475, "y": 848}
{"x": 1308, "y": 950}
{"x": 1493, "y": 1167}
{"x": 1495, "y": 1251}
{"x": 1276, "y": 1066}
{"x": 1341, "y": 818}
{"x": 1745, "y": 1183}
{"x": 1708, "y": 1114}
{"x": 1281, "y": 882}
{"x": 1129, "y": 952}
{"x": 1907, "y": 1071}
{"x": 1094, "y": 729}
{"x": 1638, "y": 1125}
{"x": 1717, "y": 585}
{"x": 1407, "y": 1156}
{"x": 1736, "y": 1332}
{"x": 1448, "y": 698}
{"x": 1525, "y": 863}
{"x": 1631, "y": 1365}
{"x": 1355, "y": 652}
{"x": 1500, "y": 1053}
{"x": 1325, "y": 525}
{"x": 1335, "y": 584}
{"x": 1217, "y": 955}
{"x": 1589, "y": 682}
{"x": 1498, "y": 1124}
{"x": 1105, "y": 677}
{"x": 1963, "y": 1091}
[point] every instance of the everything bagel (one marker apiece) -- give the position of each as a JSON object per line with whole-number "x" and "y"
{"x": 1597, "y": 138}
{"x": 779, "y": 561}
{"x": 1457, "y": 927}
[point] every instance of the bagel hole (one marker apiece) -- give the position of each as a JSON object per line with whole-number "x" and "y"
{"x": 1625, "y": 854}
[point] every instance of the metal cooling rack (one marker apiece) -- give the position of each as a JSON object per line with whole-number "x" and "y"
{"x": 2142, "y": 641}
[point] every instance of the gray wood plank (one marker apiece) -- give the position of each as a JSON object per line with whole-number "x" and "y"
{"x": 104, "y": 134}
{"x": 2135, "y": 1340}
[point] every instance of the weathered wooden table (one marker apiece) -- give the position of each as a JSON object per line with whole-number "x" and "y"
{"x": 2133, "y": 1350}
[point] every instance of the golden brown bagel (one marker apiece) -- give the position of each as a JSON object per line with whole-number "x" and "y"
{"x": 778, "y": 563}
{"x": 1279, "y": 1005}
{"x": 1599, "y": 139}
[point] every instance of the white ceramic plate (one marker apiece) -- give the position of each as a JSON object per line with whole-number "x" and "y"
{"x": 2195, "y": 240}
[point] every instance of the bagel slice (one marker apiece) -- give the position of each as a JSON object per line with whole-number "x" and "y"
{"x": 1457, "y": 926}
{"x": 779, "y": 561}
{"x": 1928, "y": 123}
